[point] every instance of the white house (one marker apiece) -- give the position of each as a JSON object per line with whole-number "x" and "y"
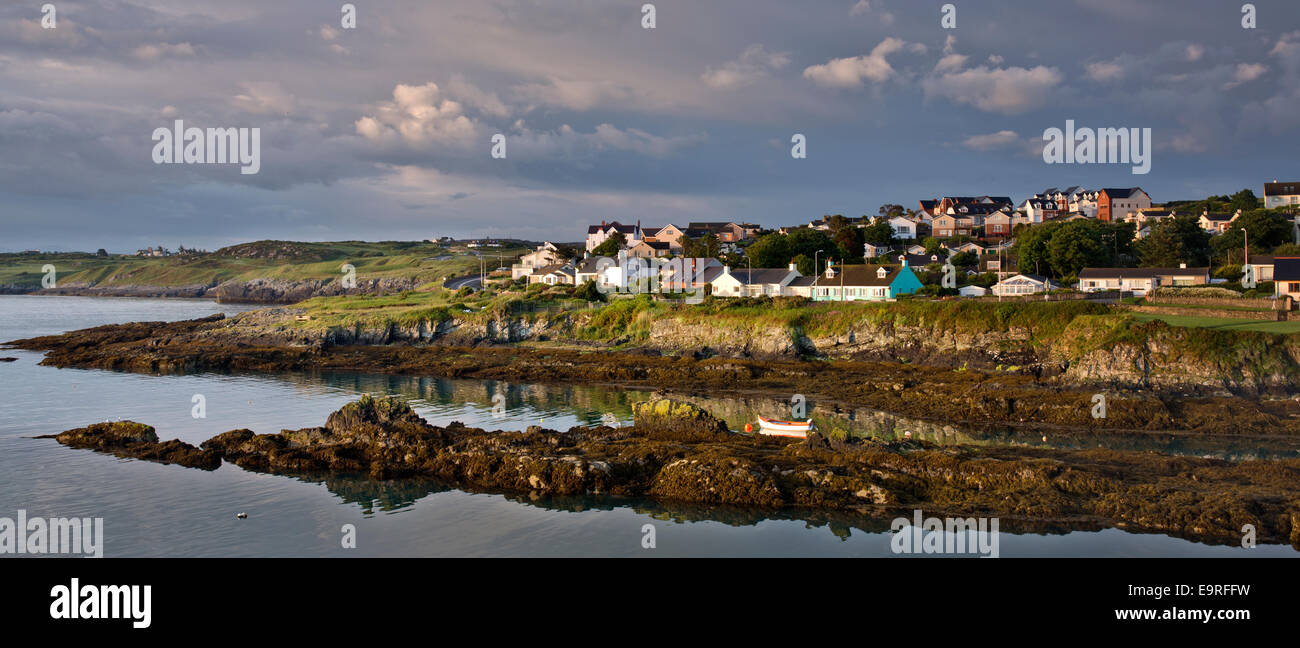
{"x": 904, "y": 228}
{"x": 972, "y": 291}
{"x": 545, "y": 254}
{"x": 1023, "y": 284}
{"x": 1281, "y": 194}
{"x": 1139, "y": 281}
{"x": 597, "y": 234}
{"x": 753, "y": 282}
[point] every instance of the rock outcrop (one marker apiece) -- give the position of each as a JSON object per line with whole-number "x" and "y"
{"x": 382, "y": 438}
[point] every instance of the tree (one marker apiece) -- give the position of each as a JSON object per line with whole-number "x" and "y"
{"x": 809, "y": 242}
{"x": 889, "y": 210}
{"x": 770, "y": 251}
{"x": 1031, "y": 248}
{"x": 878, "y": 233}
{"x": 610, "y": 246}
{"x": 964, "y": 259}
{"x": 101, "y": 252}
{"x": 931, "y": 244}
{"x": 1287, "y": 249}
{"x": 1244, "y": 200}
{"x": 849, "y": 243}
{"x": 1263, "y": 229}
{"x": 589, "y": 291}
{"x": 1074, "y": 246}
{"x": 706, "y": 247}
{"x": 1175, "y": 240}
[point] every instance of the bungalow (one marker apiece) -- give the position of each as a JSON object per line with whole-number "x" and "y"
{"x": 555, "y": 274}
{"x": 1181, "y": 276}
{"x": 865, "y": 283}
{"x": 1023, "y": 284}
{"x": 1115, "y": 204}
{"x": 972, "y": 247}
{"x": 1262, "y": 265}
{"x": 1139, "y": 281}
{"x": 753, "y": 282}
{"x": 799, "y": 287}
{"x": 972, "y": 291}
{"x": 686, "y": 274}
{"x": 915, "y": 249}
{"x": 1281, "y": 194}
{"x": 1286, "y": 277}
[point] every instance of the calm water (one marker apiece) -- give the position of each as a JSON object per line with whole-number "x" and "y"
{"x": 156, "y": 510}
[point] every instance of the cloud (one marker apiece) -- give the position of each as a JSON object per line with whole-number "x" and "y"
{"x": 950, "y": 63}
{"x": 576, "y": 94}
{"x": 1000, "y": 139}
{"x": 156, "y": 51}
{"x": 568, "y": 144}
{"x": 1246, "y": 72}
{"x": 1105, "y": 71}
{"x": 1011, "y": 90}
{"x": 418, "y": 115}
{"x": 471, "y": 95}
{"x": 263, "y": 97}
{"x": 864, "y": 8}
{"x": 754, "y": 64}
{"x": 852, "y": 72}
{"x": 1195, "y": 52}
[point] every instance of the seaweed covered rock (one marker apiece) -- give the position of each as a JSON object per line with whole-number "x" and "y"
{"x": 717, "y": 479}
{"x": 137, "y": 441}
{"x": 673, "y": 420}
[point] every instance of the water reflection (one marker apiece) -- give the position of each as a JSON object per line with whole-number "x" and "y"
{"x": 559, "y": 406}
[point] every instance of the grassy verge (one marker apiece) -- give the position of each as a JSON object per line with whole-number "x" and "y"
{"x": 285, "y": 260}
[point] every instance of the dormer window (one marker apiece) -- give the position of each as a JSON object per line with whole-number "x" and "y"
{"x": 881, "y": 272}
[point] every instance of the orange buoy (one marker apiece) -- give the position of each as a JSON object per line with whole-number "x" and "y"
{"x": 749, "y": 427}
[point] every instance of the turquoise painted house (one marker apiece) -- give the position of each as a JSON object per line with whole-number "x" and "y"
{"x": 865, "y": 283}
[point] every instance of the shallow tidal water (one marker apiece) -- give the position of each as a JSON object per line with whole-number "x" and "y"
{"x": 157, "y": 510}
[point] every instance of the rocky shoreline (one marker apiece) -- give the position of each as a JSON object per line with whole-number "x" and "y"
{"x": 254, "y": 342}
{"x": 676, "y": 452}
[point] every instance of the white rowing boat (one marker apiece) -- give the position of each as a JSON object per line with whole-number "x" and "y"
{"x": 775, "y": 427}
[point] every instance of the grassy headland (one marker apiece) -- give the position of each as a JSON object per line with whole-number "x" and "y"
{"x": 280, "y": 260}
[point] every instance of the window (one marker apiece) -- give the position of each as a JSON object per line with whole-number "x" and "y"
{"x": 1293, "y": 287}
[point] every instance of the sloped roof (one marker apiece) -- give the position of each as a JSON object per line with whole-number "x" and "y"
{"x": 757, "y": 276}
{"x": 1125, "y": 192}
{"x": 1281, "y": 188}
{"x": 1286, "y": 268}
{"x": 859, "y": 275}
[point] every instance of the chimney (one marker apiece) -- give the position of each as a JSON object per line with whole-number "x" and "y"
{"x": 792, "y": 266}
{"x": 726, "y": 269}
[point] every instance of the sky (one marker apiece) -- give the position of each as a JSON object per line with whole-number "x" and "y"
{"x": 384, "y": 131}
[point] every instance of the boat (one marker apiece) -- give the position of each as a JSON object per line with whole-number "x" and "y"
{"x": 775, "y": 427}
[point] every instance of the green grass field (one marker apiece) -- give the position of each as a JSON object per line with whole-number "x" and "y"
{"x": 1222, "y": 323}
{"x": 258, "y": 260}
